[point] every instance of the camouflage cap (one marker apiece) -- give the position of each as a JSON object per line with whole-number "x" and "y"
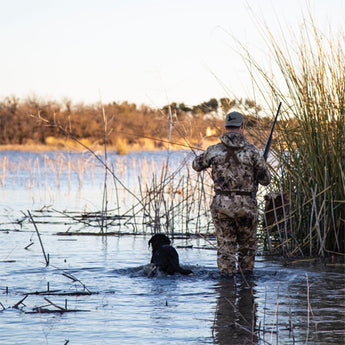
{"x": 234, "y": 119}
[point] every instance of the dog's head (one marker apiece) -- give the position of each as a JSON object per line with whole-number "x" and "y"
{"x": 158, "y": 240}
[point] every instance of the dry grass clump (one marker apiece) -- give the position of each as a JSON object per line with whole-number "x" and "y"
{"x": 65, "y": 143}
{"x": 121, "y": 146}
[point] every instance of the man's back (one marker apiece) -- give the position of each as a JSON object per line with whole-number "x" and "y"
{"x": 236, "y": 164}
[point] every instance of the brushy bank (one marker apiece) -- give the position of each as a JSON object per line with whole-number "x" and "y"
{"x": 122, "y": 126}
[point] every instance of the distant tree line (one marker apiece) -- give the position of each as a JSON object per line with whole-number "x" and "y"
{"x": 32, "y": 121}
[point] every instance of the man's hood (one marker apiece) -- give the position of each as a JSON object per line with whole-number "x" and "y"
{"x": 234, "y": 140}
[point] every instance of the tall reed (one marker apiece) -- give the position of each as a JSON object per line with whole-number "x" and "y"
{"x": 310, "y": 145}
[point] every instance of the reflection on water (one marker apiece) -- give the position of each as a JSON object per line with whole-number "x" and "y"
{"x": 235, "y": 320}
{"x": 76, "y": 182}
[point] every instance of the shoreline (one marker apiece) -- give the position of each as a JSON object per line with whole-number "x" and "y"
{"x": 121, "y": 148}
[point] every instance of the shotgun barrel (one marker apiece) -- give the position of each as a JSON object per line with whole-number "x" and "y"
{"x": 269, "y": 140}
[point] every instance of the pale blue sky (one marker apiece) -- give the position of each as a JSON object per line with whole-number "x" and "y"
{"x": 142, "y": 51}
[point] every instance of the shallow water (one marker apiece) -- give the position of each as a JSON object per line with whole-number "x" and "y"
{"x": 126, "y": 307}
{"x": 76, "y": 180}
{"x": 299, "y": 303}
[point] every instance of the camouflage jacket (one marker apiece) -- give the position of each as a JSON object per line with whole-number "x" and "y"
{"x": 236, "y": 164}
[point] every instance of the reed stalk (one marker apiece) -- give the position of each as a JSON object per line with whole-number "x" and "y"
{"x": 3, "y": 175}
{"x": 105, "y": 187}
{"x": 309, "y": 152}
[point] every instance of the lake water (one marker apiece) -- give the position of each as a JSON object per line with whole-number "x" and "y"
{"x": 95, "y": 291}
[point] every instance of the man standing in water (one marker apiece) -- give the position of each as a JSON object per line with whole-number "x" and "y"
{"x": 237, "y": 168}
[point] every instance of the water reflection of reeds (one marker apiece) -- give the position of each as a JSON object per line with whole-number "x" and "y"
{"x": 46, "y": 169}
{"x": 148, "y": 193}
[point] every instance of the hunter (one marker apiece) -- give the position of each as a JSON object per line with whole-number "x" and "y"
{"x": 237, "y": 168}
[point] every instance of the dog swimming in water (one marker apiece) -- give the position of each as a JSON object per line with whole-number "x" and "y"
{"x": 164, "y": 256}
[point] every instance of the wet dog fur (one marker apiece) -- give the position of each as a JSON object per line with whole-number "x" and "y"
{"x": 164, "y": 256}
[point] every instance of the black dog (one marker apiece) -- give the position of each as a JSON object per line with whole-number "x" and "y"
{"x": 164, "y": 256}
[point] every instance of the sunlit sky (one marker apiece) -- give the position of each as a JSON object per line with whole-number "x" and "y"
{"x": 149, "y": 52}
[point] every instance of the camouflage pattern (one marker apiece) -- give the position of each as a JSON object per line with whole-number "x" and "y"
{"x": 237, "y": 167}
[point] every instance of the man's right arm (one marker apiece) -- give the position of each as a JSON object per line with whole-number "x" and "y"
{"x": 262, "y": 174}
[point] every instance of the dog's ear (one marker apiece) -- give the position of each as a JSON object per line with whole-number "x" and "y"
{"x": 152, "y": 241}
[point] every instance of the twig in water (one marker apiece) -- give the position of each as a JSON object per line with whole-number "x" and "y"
{"x": 249, "y": 331}
{"x": 309, "y": 309}
{"x": 54, "y": 305}
{"x": 67, "y": 275}
{"x": 236, "y": 310}
{"x": 20, "y": 302}
{"x": 29, "y": 245}
{"x": 265, "y": 308}
{"x": 277, "y": 316}
{"x": 46, "y": 258}
{"x": 291, "y": 325}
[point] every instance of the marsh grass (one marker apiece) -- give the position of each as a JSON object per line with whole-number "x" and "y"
{"x": 147, "y": 196}
{"x": 309, "y": 152}
{"x": 174, "y": 202}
